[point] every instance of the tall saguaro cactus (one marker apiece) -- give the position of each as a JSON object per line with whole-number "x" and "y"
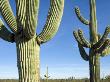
{"x": 23, "y": 28}
{"x": 98, "y": 45}
{"x": 47, "y": 75}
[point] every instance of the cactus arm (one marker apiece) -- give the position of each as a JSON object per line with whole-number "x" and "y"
{"x": 80, "y": 17}
{"x": 93, "y": 22}
{"x": 53, "y": 20}
{"x": 5, "y": 34}
{"x": 46, "y": 76}
{"x": 104, "y": 46}
{"x": 8, "y": 15}
{"x": 27, "y": 13}
{"x": 83, "y": 53}
{"x": 106, "y": 52}
{"x": 20, "y": 12}
{"x": 104, "y": 37}
{"x": 78, "y": 39}
{"x": 99, "y": 36}
{"x": 85, "y": 42}
{"x": 31, "y": 17}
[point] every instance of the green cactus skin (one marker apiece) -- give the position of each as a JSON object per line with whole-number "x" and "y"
{"x": 23, "y": 33}
{"x": 7, "y": 14}
{"x": 80, "y": 17}
{"x": 5, "y": 33}
{"x": 47, "y": 75}
{"x": 98, "y": 46}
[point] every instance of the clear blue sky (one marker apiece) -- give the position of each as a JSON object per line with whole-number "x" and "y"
{"x": 61, "y": 53}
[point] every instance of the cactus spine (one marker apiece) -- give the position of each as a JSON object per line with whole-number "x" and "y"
{"x": 98, "y": 46}
{"x": 47, "y": 75}
{"x": 23, "y": 33}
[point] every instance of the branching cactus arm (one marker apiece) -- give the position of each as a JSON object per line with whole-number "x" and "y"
{"x": 80, "y": 17}
{"x": 5, "y": 34}
{"x": 27, "y": 16}
{"x": 8, "y": 15}
{"x": 106, "y": 52}
{"x": 80, "y": 39}
{"x": 103, "y": 39}
{"x": 104, "y": 46}
{"x": 99, "y": 36}
{"x": 75, "y": 33}
{"x": 83, "y": 53}
{"x": 85, "y": 42}
{"x": 53, "y": 20}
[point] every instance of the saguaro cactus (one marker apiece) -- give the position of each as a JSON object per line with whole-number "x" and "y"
{"x": 46, "y": 75}
{"x": 23, "y": 28}
{"x": 98, "y": 45}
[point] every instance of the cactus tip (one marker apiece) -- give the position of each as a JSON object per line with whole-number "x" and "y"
{"x": 77, "y": 9}
{"x": 80, "y": 31}
{"x": 108, "y": 28}
{"x": 74, "y": 32}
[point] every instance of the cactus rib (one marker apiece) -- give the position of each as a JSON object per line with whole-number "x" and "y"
{"x": 8, "y": 15}
{"x": 80, "y": 17}
{"x": 53, "y": 20}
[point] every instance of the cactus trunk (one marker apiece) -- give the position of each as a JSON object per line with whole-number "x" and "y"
{"x": 47, "y": 75}
{"x": 28, "y": 60}
{"x": 94, "y": 67}
{"x": 97, "y": 76}
{"x": 94, "y": 61}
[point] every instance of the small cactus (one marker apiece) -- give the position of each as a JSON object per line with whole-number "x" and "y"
{"x": 23, "y": 33}
{"x": 47, "y": 75}
{"x": 98, "y": 45}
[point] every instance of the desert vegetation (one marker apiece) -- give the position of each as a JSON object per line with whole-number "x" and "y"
{"x": 70, "y": 79}
{"x": 98, "y": 45}
{"x": 23, "y": 33}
